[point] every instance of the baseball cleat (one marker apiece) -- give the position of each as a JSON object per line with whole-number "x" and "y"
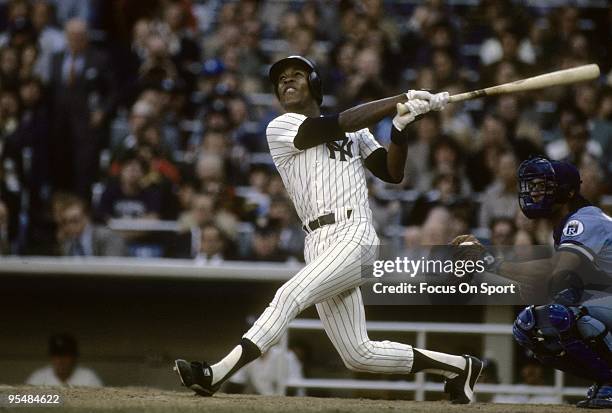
{"x": 599, "y": 396}
{"x": 196, "y": 376}
{"x": 461, "y": 388}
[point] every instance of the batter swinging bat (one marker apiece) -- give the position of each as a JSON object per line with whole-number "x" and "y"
{"x": 560, "y": 77}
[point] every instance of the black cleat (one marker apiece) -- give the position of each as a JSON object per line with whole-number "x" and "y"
{"x": 461, "y": 388}
{"x": 196, "y": 376}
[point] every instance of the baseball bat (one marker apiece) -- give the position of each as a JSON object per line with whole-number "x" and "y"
{"x": 558, "y": 78}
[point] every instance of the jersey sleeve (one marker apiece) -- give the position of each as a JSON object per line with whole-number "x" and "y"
{"x": 280, "y": 135}
{"x": 367, "y": 143}
{"x": 582, "y": 235}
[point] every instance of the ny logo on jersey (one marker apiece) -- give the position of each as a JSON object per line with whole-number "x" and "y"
{"x": 343, "y": 146}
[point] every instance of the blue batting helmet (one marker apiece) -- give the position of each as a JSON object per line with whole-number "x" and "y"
{"x": 543, "y": 183}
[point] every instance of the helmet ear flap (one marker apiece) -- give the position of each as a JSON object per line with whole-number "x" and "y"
{"x": 314, "y": 83}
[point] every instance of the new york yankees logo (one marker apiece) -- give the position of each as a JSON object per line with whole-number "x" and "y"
{"x": 343, "y": 146}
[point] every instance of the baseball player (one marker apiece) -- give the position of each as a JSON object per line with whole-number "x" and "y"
{"x": 321, "y": 160}
{"x": 573, "y": 333}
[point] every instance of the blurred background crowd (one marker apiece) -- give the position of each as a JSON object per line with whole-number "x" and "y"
{"x": 138, "y": 127}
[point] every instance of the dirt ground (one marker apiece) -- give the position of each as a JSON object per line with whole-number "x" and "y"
{"x": 135, "y": 399}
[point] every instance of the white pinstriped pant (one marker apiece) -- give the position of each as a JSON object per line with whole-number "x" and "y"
{"x": 334, "y": 255}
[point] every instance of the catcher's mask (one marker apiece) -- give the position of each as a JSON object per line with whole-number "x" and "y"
{"x": 544, "y": 183}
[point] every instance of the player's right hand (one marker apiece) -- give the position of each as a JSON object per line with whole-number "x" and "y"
{"x": 437, "y": 101}
{"x": 408, "y": 111}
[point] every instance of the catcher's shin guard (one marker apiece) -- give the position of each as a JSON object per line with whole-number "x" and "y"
{"x": 567, "y": 339}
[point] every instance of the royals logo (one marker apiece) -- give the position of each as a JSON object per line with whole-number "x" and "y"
{"x": 343, "y": 147}
{"x": 573, "y": 228}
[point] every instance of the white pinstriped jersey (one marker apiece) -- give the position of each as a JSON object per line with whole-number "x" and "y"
{"x": 326, "y": 177}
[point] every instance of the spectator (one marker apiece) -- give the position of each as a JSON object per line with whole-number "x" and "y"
{"x": 4, "y": 233}
{"x": 9, "y": 68}
{"x": 291, "y": 235}
{"x": 445, "y": 158}
{"x": 576, "y": 146}
{"x": 51, "y": 40}
{"x": 592, "y": 185}
{"x": 198, "y": 122}
{"x": 203, "y": 212}
{"x": 503, "y": 231}
{"x": 81, "y": 238}
{"x": 140, "y": 115}
{"x": 81, "y": 88}
{"x": 33, "y": 138}
{"x": 158, "y": 65}
{"x": 499, "y": 198}
{"x": 64, "y": 369}
{"x": 523, "y": 135}
{"x": 127, "y": 197}
{"x": 482, "y": 163}
{"x": 427, "y": 131}
{"x": 602, "y": 123}
{"x": 266, "y": 245}
{"x": 437, "y": 228}
{"x": 184, "y": 50}
{"x": 257, "y": 201}
{"x": 212, "y": 246}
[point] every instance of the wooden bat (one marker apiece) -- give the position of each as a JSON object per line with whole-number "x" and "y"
{"x": 560, "y": 77}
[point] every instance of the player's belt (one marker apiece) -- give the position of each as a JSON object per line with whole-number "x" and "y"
{"x": 323, "y": 220}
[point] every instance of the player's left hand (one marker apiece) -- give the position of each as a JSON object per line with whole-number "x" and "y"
{"x": 408, "y": 112}
{"x": 437, "y": 101}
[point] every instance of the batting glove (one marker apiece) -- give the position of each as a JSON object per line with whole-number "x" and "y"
{"x": 437, "y": 101}
{"x": 407, "y": 112}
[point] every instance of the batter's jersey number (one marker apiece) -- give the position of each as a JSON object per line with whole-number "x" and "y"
{"x": 344, "y": 147}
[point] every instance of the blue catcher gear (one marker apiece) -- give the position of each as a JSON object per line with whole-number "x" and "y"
{"x": 568, "y": 339}
{"x": 314, "y": 79}
{"x": 544, "y": 183}
{"x": 599, "y": 396}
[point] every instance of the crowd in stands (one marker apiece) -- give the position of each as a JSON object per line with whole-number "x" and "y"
{"x": 147, "y": 111}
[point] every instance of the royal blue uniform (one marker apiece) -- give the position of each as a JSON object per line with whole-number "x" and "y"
{"x": 588, "y": 233}
{"x": 574, "y": 332}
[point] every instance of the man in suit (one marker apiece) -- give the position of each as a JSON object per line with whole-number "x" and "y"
{"x": 81, "y": 87}
{"x": 78, "y": 237}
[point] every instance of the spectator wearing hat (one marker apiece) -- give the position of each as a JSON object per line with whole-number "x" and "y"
{"x": 64, "y": 371}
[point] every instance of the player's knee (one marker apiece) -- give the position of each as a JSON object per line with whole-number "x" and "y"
{"x": 359, "y": 357}
{"x": 287, "y": 297}
{"x": 355, "y": 362}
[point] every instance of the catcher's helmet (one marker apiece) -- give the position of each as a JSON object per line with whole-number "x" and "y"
{"x": 314, "y": 79}
{"x": 543, "y": 183}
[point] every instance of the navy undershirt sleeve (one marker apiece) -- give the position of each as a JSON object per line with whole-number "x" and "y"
{"x": 377, "y": 164}
{"x": 315, "y": 131}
